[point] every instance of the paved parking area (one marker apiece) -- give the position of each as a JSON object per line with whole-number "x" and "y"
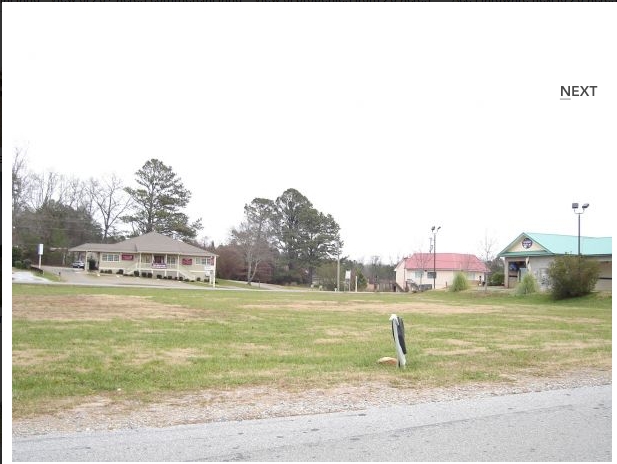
{"x": 72, "y": 276}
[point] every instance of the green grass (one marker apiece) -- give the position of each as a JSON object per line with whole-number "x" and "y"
{"x": 73, "y": 342}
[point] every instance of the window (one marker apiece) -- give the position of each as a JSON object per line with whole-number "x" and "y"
{"x": 205, "y": 261}
{"x": 172, "y": 260}
{"x": 431, "y": 275}
{"x": 418, "y": 274}
{"x": 107, "y": 257}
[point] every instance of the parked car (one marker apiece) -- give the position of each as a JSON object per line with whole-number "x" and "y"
{"x": 79, "y": 265}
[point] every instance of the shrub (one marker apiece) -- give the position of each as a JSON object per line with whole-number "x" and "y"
{"x": 527, "y": 285}
{"x": 18, "y": 255}
{"x": 572, "y": 276}
{"x": 27, "y": 263}
{"x": 18, "y": 264}
{"x": 459, "y": 283}
{"x": 496, "y": 278}
{"x": 150, "y": 275}
{"x": 159, "y": 276}
{"x": 136, "y": 273}
{"x": 198, "y": 279}
{"x": 144, "y": 274}
{"x": 120, "y": 271}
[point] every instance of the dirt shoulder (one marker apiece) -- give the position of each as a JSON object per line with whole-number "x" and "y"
{"x": 110, "y": 413}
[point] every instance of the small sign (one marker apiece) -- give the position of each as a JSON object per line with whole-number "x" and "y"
{"x": 40, "y": 248}
{"x": 127, "y": 257}
{"x": 527, "y": 243}
{"x": 187, "y": 261}
{"x": 347, "y": 275}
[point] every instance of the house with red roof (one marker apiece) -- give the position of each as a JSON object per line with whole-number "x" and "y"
{"x": 423, "y": 270}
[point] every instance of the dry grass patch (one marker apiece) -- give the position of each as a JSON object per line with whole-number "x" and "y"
{"x": 417, "y": 307}
{"x": 96, "y": 308}
{"x": 471, "y": 350}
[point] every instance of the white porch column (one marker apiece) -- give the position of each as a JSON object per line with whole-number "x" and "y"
{"x": 213, "y": 278}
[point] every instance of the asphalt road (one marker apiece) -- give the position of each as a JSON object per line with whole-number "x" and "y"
{"x": 558, "y": 425}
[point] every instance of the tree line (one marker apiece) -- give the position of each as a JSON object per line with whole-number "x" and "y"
{"x": 281, "y": 240}
{"x": 61, "y": 212}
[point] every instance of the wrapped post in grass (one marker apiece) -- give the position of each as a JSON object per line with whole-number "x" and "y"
{"x": 398, "y": 332}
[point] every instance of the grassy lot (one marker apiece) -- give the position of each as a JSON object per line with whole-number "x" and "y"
{"x": 73, "y": 342}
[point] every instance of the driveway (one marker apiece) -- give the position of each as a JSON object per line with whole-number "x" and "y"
{"x": 72, "y": 276}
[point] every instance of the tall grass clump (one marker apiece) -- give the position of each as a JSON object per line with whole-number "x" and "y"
{"x": 527, "y": 285}
{"x": 459, "y": 283}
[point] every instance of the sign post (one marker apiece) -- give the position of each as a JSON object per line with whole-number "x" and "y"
{"x": 348, "y": 280}
{"x": 40, "y": 253}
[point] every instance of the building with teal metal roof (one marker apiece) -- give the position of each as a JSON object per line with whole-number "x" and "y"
{"x": 534, "y": 252}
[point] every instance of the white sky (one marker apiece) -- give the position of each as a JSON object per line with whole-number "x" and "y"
{"x": 391, "y": 117}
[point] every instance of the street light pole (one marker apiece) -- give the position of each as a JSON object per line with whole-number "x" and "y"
{"x": 435, "y": 230}
{"x": 578, "y": 213}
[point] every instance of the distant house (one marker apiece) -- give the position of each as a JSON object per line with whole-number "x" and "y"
{"x": 532, "y": 252}
{"x": 416, "y": 271}
{"x": 151, "y": 254}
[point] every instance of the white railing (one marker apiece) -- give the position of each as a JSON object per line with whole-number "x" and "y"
{"x": 173, "y": 269}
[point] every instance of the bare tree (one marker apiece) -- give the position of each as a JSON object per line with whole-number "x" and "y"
{"x": 30, "y": 190}
{"x": 423, "y": 260}
{"x": 488, "y": 256}
{"x": 254, "y": 236}
{"x": 464, "y": 263}
{"x": 44, "y": 188}
{"x": 72, "y": 192}
{"x": 486, "y": 248}
{"x": 21, "y": 181}
{"x": 110, "y": 201}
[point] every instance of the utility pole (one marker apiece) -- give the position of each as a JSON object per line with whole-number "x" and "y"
{"x": 338, "y": 268}
{"x": 435, "y": 255}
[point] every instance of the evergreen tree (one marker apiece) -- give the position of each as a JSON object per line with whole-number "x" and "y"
{"x": 305, "y": 237}
{"x": 158, "y": 202}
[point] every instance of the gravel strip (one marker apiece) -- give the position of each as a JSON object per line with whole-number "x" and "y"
{"x": 101, "y": 413}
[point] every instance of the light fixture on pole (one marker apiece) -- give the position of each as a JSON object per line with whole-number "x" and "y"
{"x": 578, "y": 213}
{"x": 435, "y": 230}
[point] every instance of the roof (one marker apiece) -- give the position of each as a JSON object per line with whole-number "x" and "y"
{"x": 445, "y": 262}
{"x": 554, "y": 244}
{"x": 152, "y": 242}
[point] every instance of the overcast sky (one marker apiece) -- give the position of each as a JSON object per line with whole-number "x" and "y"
{"x": 391, "y": 117}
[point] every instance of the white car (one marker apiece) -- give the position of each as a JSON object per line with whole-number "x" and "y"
{"x": 79, "y": 265}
